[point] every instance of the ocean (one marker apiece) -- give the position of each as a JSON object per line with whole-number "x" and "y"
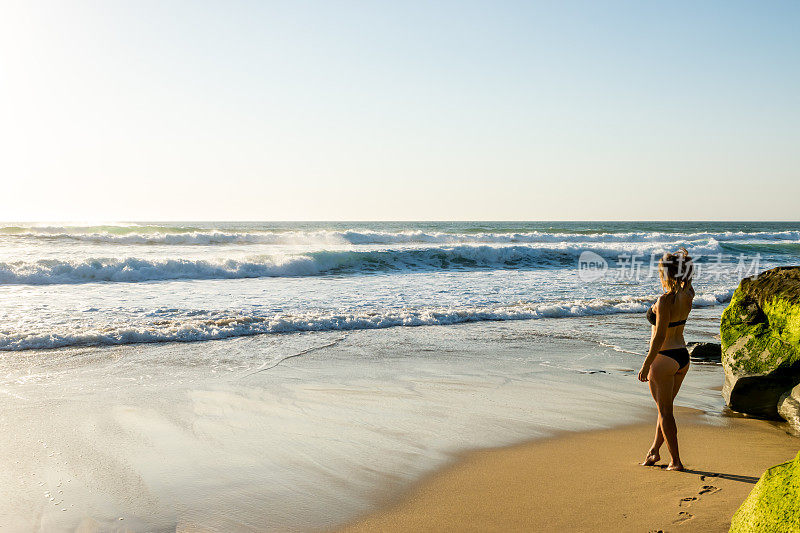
{"x": 289, "y": 376}
{"x": 78, "y": 285}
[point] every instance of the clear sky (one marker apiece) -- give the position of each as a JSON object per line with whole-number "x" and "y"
{"x": 399, "y": 110}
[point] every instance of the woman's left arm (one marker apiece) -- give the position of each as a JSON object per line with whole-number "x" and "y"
{"x": 662, "y": 323}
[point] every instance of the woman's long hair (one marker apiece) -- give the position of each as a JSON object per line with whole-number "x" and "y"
{"x": 676, "y": 270}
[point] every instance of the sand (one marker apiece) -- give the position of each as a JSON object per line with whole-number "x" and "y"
{"x": 592, "y": 482}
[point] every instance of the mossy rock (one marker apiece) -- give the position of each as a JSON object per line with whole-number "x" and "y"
{"x": 774, "y": 503}
{"x": 760, "y": 332}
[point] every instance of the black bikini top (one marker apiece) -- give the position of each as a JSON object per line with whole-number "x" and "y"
{"x": 651, "y": 317}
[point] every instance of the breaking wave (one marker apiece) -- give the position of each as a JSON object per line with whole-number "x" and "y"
{"x": 216, "y": 325}
{"x": 165, "y": 235}
{"x": 55, "y": 271}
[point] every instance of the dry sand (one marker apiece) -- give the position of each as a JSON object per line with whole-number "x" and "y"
{"x": 592, "y": 482}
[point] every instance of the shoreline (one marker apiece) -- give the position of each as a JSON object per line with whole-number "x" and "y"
{"x": 538, "y": 485}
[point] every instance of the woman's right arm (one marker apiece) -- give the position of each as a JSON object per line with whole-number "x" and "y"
{"x": 657, "y": 339}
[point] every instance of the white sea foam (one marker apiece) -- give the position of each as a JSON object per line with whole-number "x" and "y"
{"x": 188, "y": 236}
{"x": 193, "y": 326}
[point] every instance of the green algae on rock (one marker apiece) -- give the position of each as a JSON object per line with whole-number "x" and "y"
{"x": 774, "y": 503}
{"x": 760, "y": 332}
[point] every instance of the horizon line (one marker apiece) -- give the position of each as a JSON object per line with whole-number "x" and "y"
{"x": 176, "y": 220}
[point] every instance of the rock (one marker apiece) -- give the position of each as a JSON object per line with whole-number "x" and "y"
{"x": 760, "y": 332}
{"x": 774, "y": 503}
{"x": 704, "y": 351}
{"x": 789, "y": 409}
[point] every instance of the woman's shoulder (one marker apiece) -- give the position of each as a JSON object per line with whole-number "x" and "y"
{"x": 668, "y": 299}
{"x": 688, "y": 292}
{"x": 664, "y": 301}
{"x": 684, "y": 297}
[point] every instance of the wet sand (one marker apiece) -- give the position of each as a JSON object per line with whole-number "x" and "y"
{"x": 300, "y": 432}
{"x": 591, "y": 481}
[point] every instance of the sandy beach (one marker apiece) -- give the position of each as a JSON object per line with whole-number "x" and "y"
{"x": 590, "y": 481}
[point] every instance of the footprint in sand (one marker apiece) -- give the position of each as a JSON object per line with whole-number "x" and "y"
{"x": 686, "y": 502}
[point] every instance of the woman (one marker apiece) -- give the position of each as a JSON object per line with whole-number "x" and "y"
{"x": 668, "y": 360}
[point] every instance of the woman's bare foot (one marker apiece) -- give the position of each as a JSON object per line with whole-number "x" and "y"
{"x": 675, "y": 466}
{"x": 651, "y": 459}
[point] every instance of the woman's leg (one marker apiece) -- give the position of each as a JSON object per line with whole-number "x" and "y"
{"x": 662, "y": 379}
{"x": 653, "y": 455}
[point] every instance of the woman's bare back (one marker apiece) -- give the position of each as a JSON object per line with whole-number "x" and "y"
{"x": 679, "y": 304}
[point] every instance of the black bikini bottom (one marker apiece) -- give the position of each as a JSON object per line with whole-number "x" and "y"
{"x": 681, "y": 355}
